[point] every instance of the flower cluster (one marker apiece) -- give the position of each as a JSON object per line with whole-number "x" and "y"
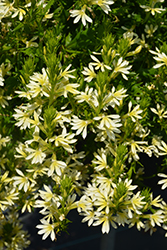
{"x": 110, "y": 204}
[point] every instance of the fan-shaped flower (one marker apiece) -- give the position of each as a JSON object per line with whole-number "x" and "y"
{"x": 80, "y": 14}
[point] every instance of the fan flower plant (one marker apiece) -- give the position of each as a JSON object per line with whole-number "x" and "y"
{"x": 83, "y": 100}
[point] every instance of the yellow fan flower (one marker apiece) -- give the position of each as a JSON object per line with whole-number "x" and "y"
{"x": 107, "y": 122}
{"x": 106, "y": 219}
{"x": 135, "y": 113}
{"x": 89, "y": 72}
{"x": 152, "y": 9}
{"x": 156, "y": 218}
{"x": 22, "y": 181}
{"x": 80, "y": 14}
{"x": 20, "y": 12}
{"x": 163, "y": 181}
{"x": 163, "y": 148}
{"x": 160, "y": 111}
{"x": 71, "y": 88}
{"x": 121, "y": 67}
{"x": 101, "y": 161}
{"x": 63, "y": 140}
{"x": 98, "y": 64}
{"x": 160, "y": 57}
{"x": 66, "y": 73}
{"x": 46, "y": 229}
{"x": 80, "y": 126}
{"x": 56, "y": 166}
{"x": 104, "y": 4}
{"x": 22, "y": 117}
{"x": 150, "y": 30}
{"x": 36, "y": 155}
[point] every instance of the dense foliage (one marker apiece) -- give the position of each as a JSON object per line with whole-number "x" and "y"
{"x": 83, "y": 105}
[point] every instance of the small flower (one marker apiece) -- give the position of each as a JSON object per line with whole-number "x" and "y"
{"x": 160, "y": 57}
{"x": 89, "y": 216}
{"x": 6, "y": 7}
{"x": 109, "y": 131}
{"x": 4, "y": 178}
{"x": 104, "y": 4}
{"x": 136, "y": 220}
{"x": 62, "y": 116}
{"x": 28, "y": 205}
{"x": 64, "y": 140}
{"x": 156, "y": 218}
{"x": 3, "y": 141}
{"x": 84, "y": 204}
{"x": 39, "y": 170}
{"x": 3, "y": 99}
{"x": 160, "y": 111}
{"x": 156, "y": 202}
{"x": 37, "y": 155}
{"x": 106, "y": 220}
{"x": 99, "y": 64}
{"x": 47, "y": 16}
{"x": 114, "y": 97}
{"x": 22, "y": 117}
{"x": 122, "y": 218}
{"x": 101, "y": 161}
{"x": 131, "y": 37}
{"x": 56, "y": 166}
{"x": 25, "y": 94}
{"x": 89, "y": 96}
{"x": 47, "y": 195}
{"x": 71, "y": 201}
{"x": 135, "y": 148}
{"x": 150, "y": 30}
{"x": 71, "y": 88}
{"x": 142, "y": 41}
{"x": 106, "y": 121}
{"x": 35, "y": 122}
{"x": 39, "y": 84}
{"x": 80, "y": 126}
{"x": 22, "y": 181}
{"x": 163, "y": 147}
{"x": 121, "y": 67}
{"x": 42, "y": 3}
{"x": 11, "y": 197}
{"x": 66, "y": 73}
{"x": 106, "y": 223}
{"x": 102, "y": 198}
{"x": 3, "y": 161}
{"x": 46, "y": 229}
{"x": 128, "y": 30}
{"x": 137, "y": 202}
{"x": 156, "y": 141}
{"x": 150, "y": 87}
{"x": 135, "y": 113}
{"x": 21, "y": 150}
{"x": 164, "y": 181}
{"x": 152, "y": 9}
{"x": 31, "y": 42}
{"x": 80, "y": 14}
{"x": 19, "y": 12}
{"x": 89, "y": 72}
{"x": 85, "y": 96}
{"x": 148, "y": 226}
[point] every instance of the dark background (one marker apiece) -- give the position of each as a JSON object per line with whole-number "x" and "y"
{"x": 82, "y": 237}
